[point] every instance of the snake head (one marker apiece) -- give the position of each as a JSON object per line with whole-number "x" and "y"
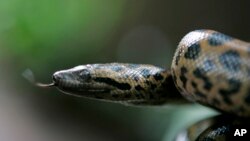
{"x": 83, "y": 80}
{"x": 117, "y": 82}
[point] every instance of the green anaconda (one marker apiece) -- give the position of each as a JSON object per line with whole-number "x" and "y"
{"x": 208, "y": 67}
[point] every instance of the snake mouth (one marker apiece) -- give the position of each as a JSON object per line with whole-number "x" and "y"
{"x": 82, "y": 91}
{"x": 56, "y": 79}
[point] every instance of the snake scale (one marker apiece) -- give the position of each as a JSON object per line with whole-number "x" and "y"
{"x": 208, "y": 67}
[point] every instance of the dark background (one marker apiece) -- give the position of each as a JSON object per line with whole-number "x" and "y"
{"x": 50, "y": 35}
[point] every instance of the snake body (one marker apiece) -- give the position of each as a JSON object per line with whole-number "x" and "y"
{"x": 208, "y": 67}
{"x": 218, "y": 128}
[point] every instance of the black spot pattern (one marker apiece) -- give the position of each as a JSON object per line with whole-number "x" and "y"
{"x": 215, "y": 102}
{"x": 109, "y": 81}
{"x": 194, "y": 85}
{"x": 115, "y": 95}
{"x": 158, "y": 77}
{"x": 193, "y": 51}
{"x": 183, "y": 77}
{"x": 200, "y": 73}
{"x": 239, "y": 110}
{"x": 230, "y": 60}
{"x": 217, "y": 39}
{"x": 151, "y": 96}
{"x": 136, "y": 78}
{"x": 208, "y": 85}
{"x": 145, "y": 73}
{"x": 183, "y": 70}
{"x": 200, "y": 94}
{"x": 152, "y": 86}
{"x": 233, "y": 88}
{"x": 138, "y": 95}
{"x": 142, "y": 96}
{"x": 247, "y": 98}
{"x": 139, "y": 88}
{"x": 227, "y": 100}
{"x": 127, "y": 96}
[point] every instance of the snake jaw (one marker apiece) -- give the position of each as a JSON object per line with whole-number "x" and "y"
{"x": 112, "y": 82}
{"x": 79, "y": 81}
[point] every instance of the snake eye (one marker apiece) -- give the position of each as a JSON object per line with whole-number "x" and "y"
{"x": 84, "y": 75}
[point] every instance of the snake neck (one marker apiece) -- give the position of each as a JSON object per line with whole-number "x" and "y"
{"x": 118, "y": 82}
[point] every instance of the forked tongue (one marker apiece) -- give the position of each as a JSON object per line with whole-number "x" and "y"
{"x": 28, "y": 74}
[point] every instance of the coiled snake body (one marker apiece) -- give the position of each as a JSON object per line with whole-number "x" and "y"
{"x": 208, "y": 67}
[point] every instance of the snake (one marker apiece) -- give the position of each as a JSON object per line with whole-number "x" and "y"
{"x": 208, "y": 67}
{"x": 219, "y": 128}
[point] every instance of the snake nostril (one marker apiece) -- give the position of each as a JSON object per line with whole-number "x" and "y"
{"x": 56, "y": 77}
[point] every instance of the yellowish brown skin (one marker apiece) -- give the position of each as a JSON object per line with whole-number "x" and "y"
{"x": 219, "y": 75}
{"x": 131, "y": 84}
{"x": 208, "y": 67}
{"x": 218, "y": 128}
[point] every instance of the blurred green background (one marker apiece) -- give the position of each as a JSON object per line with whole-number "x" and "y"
{"x": 50, "y": 35}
